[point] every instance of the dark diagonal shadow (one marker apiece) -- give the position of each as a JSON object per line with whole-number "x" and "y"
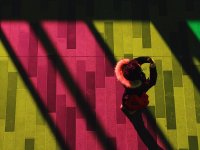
{"x": 69, "y": 82}
{"x": 150, "y": 117}
{"x": 112, "y": 60}
{"x": 37, "y": 98}
{"x": 102, "y": 43}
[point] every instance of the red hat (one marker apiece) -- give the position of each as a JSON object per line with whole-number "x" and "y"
{"x": 127, "y": 70}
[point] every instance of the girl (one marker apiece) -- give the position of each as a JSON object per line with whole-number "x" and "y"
{"x": 135, "y": 99}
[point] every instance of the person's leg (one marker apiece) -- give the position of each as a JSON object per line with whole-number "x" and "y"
{"x": 137, "y": 121}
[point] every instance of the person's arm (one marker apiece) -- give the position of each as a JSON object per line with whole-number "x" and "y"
{"x": 153, "y": 75}
{"x": 143, "y": 59}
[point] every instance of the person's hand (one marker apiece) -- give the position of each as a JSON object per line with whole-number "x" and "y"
{"x": 153, "y": 65}
{"x": 150, "y": 60}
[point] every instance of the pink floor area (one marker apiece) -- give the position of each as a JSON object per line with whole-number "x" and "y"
{"x": 92, "y": 73}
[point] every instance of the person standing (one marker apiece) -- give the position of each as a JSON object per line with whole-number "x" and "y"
{"x": 135, "y": 100}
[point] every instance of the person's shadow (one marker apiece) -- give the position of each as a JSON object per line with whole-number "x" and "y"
{"x": 138, "y": 123}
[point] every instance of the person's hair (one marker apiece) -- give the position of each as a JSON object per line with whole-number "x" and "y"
{"x": 132, "y": 71}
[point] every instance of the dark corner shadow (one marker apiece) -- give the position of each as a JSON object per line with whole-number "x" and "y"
{"x": 184, "y": 45}
{"x": 69, "y": 82}
{"x": 37, "y": 98}
{"x": 137, "y": 122}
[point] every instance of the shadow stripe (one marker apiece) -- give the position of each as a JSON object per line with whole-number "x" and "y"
{"x": 108, "y": 53}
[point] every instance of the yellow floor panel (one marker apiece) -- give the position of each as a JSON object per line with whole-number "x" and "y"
{"x": 25, "y": 118}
